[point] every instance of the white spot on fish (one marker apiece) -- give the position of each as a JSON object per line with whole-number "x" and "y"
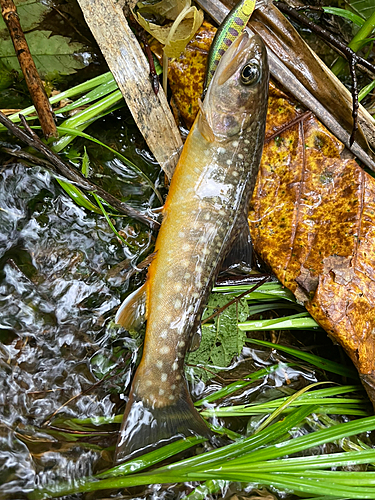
{"x": 198, "y": 269}
{"x": 207, "y": 216}
{"x": 171, "y": 397}
{"x": 187, "y": 276}
{"x": 221, "y": 150}
{"x": 246, "y": 150}
{"x": 181, "y": 344}
{"x": 246, "y": 141}
{"x": 178, "y": 286}
{"x": 164, "y": 350}
{"x": 221, "y": 212}
{"x": 235, "y": 144}
{"x": 186, "y": 247}
{"x": 164, "y": 377}
{"x": 161, "y": 392}
{"x": 195, "y": 295}
{"x": 229, "y": 162}
{"x": 178, "y": 377}
{"x": 159, "y": 364}
{"x": 240, "y": 156}
{"x": 181, "y": 234}
{"x": 173, "y": 387}
{"x": 148, "y": 383}
{"x": 177, "y": 304}
{"x": 170, "y": 273}
{"x": 167, "y": 318}
{"x": 235, "y": 173}
{"x": 174, "y": 366}
{"x": 164, "y": 334}
{"x": 185, "y": 263}
{"x": 206, "y": 251}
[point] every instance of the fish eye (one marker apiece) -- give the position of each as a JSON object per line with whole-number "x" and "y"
{"x": 250, "y": 74}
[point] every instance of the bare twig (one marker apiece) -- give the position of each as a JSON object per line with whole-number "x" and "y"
{"x": 32, "y": 78}
{"x": 29, "y": 137}
{"x": 351, "y": 56}
{"x": 236, "y": 299}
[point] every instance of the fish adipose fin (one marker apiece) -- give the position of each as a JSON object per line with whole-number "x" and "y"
{"x": 145, "y": 428}
{"x": 133, "y": 311}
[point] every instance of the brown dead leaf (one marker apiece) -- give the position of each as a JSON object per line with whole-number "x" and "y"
{"x": 312, "y": 222}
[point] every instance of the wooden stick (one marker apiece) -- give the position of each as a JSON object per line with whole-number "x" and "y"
{"x": 32, "y": 78}
{"x": 130, "y": 69}
{"x": 30, "y": 138}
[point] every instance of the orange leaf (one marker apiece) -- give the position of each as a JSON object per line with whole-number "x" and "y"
{"x": 312, "y": 222}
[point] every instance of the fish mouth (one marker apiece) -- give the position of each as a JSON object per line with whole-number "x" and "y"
{"x": 235, "y": 52}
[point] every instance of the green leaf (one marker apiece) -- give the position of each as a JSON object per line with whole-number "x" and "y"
{"x": 85, "y": 163}
{"x": 222, "y": 340}
{"x": 363, "y": 7}
{"x": 347, "y": 14}
{"x": 78, "y": 196}
{"x": 30, "y": 12}
{"x": 50, "y": 53}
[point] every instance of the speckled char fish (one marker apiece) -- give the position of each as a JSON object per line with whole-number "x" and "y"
{"x": 205, "y": 212}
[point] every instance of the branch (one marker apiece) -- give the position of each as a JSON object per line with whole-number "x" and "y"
{"x": 32, "y": 78}
{"x": 30, "y": 138}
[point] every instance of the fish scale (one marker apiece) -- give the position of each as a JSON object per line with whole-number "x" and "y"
{"x": 208, "y": 198}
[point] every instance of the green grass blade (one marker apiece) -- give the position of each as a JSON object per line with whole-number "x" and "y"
{"x": 265, "y": 291}
{"x": 84, "y": 135}
{"x": 86, "y": 117}
{"x": 78, "y": 196}
{"x": 99, "y": 92}
{"x": 366, "y": 90}
{"x": 294, "y": 322}
{"x": 99, "y": 202}
{"x": 287, "y": 403}
{"x": 235, "y": 386}
{"x": 151, "y": 458}
{"x": 76, "y": 90}
{"x": 205, "y": 490}
{"x": 356, "y": 42}
{"x": 346, "y": 14}
{"x": 314, "y": 360}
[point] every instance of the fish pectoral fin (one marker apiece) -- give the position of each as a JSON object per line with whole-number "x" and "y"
{"x": 133, "y": 311}
{"x": 146, "y": 427}
{"x": 240, "y": 254}
{"x": 204, "y": 127}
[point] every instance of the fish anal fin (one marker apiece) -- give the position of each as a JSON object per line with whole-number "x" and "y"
{"x": 239, "y": 256}
{"x": 145, "y": 428}
{"x": 133, "y": 311}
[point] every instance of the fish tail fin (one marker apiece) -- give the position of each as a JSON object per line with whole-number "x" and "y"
{"x": 145, "y": 428}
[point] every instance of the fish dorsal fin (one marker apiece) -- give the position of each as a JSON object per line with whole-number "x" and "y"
{"x": 204, "y": 126}
{"x": 133, "y": 311}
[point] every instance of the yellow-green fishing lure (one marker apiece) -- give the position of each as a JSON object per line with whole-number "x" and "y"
{"x": 229, "y": 30}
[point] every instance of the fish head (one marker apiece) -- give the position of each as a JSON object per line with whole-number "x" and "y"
{"x": 237, "y": 95}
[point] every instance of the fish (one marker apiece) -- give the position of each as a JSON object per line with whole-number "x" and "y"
{"x": 204, "y": 214}
{"x": 231, "y": 27}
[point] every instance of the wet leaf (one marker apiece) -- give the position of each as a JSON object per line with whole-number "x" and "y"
{"x": 50, "y": 53}
{"x": 186, "y": 73}
{"x": 173, "y": 36}
{"x": 363, "y": 7}
{"x": 30, "y": 12}
{"x": 168, "y": 9}
{"x": 312, "y": 221}
{"x": 222, "y": 340}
